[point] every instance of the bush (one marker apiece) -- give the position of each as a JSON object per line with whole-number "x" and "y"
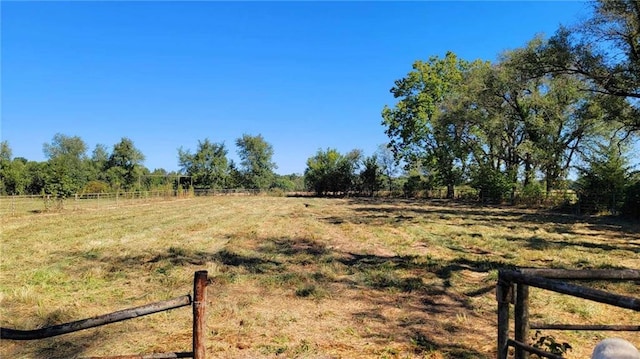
{"x": 601, "y": 185}
{"x": 96, "y": 187}
{"x": 492, "y": 185}
{"x": 532, "y": 194}
{"x": 631, "y": 206}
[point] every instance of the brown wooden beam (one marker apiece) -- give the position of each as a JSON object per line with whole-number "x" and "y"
{"x": 584, "y": 274}
{"x": 574, "y": 290}
{"x": 15, "y": 334}
{"x": 614, "y": 328}
{"x": 199, "y": 319}
{"x": 148, "y": 356}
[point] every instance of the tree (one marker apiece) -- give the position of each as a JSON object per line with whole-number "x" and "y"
{"x": 387, "y": 163}
{"x": 208, "y": 166}
{"x": 371, "y": 176}
{"x": 124, "y": 165}
{"x": 602, "y": 184}
{"x": 507, "y": 99}
{"x": 256, "y": 166}
{"x": 605, "y": 52}
{"x": 66, "y": 172}
{"x": 5, "y": 163}
{"x": 98, "y": 162}
{"x": 331, "y": 172}
{"x": 289, "y": 183}
{"x": 36, "y": 173}
{"x": 530, "y": 125}
{"x": 416, "y": 126}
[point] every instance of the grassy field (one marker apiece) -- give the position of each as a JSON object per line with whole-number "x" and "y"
{"x": 300, "y": 277}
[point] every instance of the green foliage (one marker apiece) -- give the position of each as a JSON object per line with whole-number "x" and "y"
{"x": 371, "y": 176}
{"x": 125, "y": 165}
{"x": 492, "y": 185}
{"x": 13, "y": 177}
{"x": 415, "y": 184}
{"x": 424, "y": 124}
{"x": 66, "y": 172}
{"x": 208, "y": 167}
{"x": 98, "y": 163}
{"x": 95, "y": 186}
{"x": 331, "y": 172}
{"x": 631, "y": 206}
{"x": 532, "y": 194}
{"x": 256, "y": 166}
{"x": 288, "y": 183}
{"x": 549, "y": 344}
{"x": 601, "y": 185}
{"x": 36, "y": 177}
{"x": 5, "y": 162}
{"x": 388, "y": 164}
{"x": 603, "y": 52}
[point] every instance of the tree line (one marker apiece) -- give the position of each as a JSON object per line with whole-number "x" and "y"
{"x": 523, "y": 123}
{"x": 69, "y": 169}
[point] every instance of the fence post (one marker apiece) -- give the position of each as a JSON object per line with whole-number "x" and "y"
{"x": 199, "y": 319}
{"x": 502, "y": 295}
{"x": 521, "y": 314}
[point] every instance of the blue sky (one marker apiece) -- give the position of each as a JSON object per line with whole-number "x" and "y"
{"x": 305, "y": 75}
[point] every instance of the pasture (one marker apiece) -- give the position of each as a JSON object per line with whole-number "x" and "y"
{"x": 300, "y": 277}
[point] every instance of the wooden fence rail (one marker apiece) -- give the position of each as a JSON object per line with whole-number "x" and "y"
{"x": 199, "y": 307}
{"x": 513, "y": 287}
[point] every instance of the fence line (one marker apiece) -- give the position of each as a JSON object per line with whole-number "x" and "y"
{"x": 198, "y": 303}
{"x": 513, "y": 287}
{"x": 22, "y": 204}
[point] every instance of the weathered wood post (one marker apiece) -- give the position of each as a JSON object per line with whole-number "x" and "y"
{"x": 521, "y": 314}
{"x": 199, "y": 318}
{"x": 502, "y": 295}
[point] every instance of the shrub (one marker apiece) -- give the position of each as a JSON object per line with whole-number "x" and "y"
{"x": 631, "y": 206}
{"x": 96, "y": 187}
{"x": 532, "y": 194}
{"x": 492, "y": 185}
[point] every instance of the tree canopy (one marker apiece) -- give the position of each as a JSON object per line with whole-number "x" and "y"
{"x": 256, "y": 164}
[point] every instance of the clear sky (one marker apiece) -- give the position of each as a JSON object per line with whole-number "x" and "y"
{"x": 305, "y": 75}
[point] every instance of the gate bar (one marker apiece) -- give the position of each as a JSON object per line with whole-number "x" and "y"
{"x": 15, "y": 334}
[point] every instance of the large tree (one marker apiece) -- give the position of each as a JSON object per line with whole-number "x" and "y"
{"x": 208, "y": 166}
{"x": 256, "y": 165}
{"x": 67, "y": 172}
{"x": 416, "y": 126}
{"x": 124, "y": 166}
{"x": 604, "y": 51}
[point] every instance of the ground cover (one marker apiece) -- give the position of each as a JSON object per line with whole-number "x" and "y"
{"x": 300, "y": 277}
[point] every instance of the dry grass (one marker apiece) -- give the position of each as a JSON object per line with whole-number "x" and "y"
{"x": 303, "y": 278}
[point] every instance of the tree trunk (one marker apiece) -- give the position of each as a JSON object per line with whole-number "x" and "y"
{"x": 450, "y": 191}
{"x": 528, "y": 174}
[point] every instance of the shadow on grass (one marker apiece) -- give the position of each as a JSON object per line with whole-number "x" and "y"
{"x": 66, "y": 347}
{"x": 422, "y": 285}
{"x": 307, "y": 268}
{"x": 71, "y": 345}
{"x": 538, "y": 243}
{"x": 624, "y": 234}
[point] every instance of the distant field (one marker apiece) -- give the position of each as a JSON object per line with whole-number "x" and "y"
{"x": 299, "y": 277}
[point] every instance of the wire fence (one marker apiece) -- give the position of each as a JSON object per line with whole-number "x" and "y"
{"x": 25, "y": 204}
